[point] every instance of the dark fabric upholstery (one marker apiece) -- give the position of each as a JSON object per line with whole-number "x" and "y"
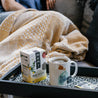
{"x": 92, "y": 35}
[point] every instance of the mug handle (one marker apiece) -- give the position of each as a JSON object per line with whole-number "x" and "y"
{"x": 76, "y": 68}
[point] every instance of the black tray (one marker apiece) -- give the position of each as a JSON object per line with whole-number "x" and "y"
{"x": 30, "y": 90}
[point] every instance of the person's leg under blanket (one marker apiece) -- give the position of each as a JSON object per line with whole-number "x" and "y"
{"x": 49, "y": 30}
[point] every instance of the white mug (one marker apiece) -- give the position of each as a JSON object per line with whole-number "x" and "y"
{"x": 59, "y": 70}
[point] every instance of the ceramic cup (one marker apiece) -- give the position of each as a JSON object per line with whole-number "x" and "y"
{"x": 60, "y": 70}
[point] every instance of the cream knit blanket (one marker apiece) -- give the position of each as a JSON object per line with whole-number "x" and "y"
{"x": 49, "y": 30}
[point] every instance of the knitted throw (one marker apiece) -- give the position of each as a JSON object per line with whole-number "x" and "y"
{"x": 49, "y": 30}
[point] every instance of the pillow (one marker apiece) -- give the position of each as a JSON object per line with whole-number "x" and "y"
{"x": 87, "y": 17}
{"x": 92, "y": 35}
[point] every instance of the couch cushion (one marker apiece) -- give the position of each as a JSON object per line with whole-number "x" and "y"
{"x": 72, "y": 9}
{"x": 85, "y": 64}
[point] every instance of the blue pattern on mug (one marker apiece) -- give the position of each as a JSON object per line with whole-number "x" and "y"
{"x": 62, "y": 78}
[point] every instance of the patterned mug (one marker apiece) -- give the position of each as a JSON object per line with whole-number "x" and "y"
{"x": 59, "y": 70}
